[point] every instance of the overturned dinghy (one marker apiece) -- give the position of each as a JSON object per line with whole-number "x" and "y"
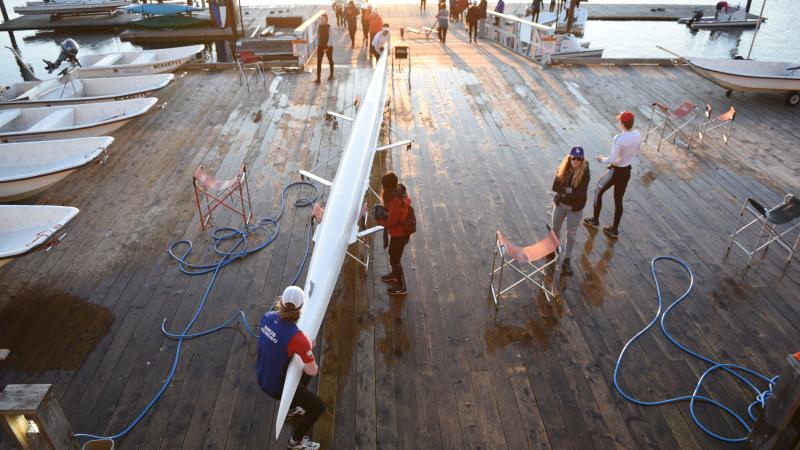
{"x": 747, "y": 75}
{"x": 71, "y": 89}
{"x": 27, "y": 168}
{"x": 24, "y": 229}
{"x": 142, "y": 62}
{"x": 65, "y": 122}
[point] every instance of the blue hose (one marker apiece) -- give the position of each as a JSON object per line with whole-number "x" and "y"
{"x": 737, "y": 371}
{"x": 221, "y": 236}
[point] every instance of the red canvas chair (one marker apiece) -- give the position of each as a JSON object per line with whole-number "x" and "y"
{"x": 723, "y": 122}
{"x": 525, "y": 261}
{"x": 246, "y": 60}
{"x": 233, "y": 194}
{"x": 672, "y": 124}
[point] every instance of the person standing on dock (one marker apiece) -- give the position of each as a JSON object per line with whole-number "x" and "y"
{"x": 624, "y": 149}
{"x": 483, "y": 6}
{"x": 365, "y": 24}
{"x": 422, "y": 5}
{"x": 397, "y": 213}
{"x": 351, "y": 17}
{"x": 375, "y": 25}
{"x": 442, "y": 18}
{"x": 552, "y": 5}
{"x": 535, "y": 8}
{"x": 500, "y": 8}
{"x": 570, "y": 185}
{"x": 382, "y": 41}
{"x": 279, "y": 339}
{"x": 473, "y": 14}
{"x": 338, "y": 8}
{"x": 323, "y": 48}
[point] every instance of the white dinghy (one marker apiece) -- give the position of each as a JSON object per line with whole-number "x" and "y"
{"x": 27, "y": 168}
{"x": 142, "y": 62}
{"x": 76, "y": 7}
{"x": 752, "y": 76}
{"x": 70, "y": 89}
{"x": 24, "y": 229}
{"x": 567, "y": 46}
{"x": 65, "y": 122}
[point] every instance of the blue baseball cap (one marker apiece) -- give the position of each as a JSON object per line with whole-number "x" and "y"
{"x": 576, "y": 151}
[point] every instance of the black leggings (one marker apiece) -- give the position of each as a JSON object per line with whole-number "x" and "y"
{"x": 396, "y": 246}
{"x": 442, "y": 31}
{"x": 320, "y": 52}
{"x": 352, "y": 27}
{"x": 618, "y": 178}
{"x": 309, "y": 401}
{"x": 473, "y": 31}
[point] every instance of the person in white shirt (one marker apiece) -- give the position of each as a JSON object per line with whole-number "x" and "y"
{"x": 381, "y": 42}
{"x": 624, "y": 149}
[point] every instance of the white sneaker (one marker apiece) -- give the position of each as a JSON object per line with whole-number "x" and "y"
{"x": 297, "y": 411}
{"x": 305, "y": 444}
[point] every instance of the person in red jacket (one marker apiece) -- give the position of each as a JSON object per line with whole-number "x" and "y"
{"x": 396, "y": 202}
{"x": 375, "y": 25}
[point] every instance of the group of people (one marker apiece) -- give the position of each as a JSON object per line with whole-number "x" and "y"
{"x": 475, "y": 14}
{"x": 376, "y": 33}
{"x": 571, "y": 185}
{"x": 279, "y": 338}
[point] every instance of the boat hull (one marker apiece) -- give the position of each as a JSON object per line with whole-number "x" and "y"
{"x": 19, "y": 190}
{"x": 717, "y": 25}
{"x": 134, "y": 69}
{"x": 339, "y": 223}
{"x": 744, "y": 83}
{"x": 24, "y": 229}
{"x": 69, "y": 8}
{"x": 78, "y": 132}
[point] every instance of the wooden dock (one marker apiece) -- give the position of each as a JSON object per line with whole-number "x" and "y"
{"x": 431, "y": 369}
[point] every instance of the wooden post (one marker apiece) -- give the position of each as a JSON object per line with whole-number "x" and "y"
{"x": 778, "y": 427}
{"x": 5, "y": 19}
{"x": 570, "y": 14}
{"x": 33, "y": 419}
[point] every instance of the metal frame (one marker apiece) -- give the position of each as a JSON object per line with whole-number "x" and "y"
{"x": 401, "y": 52}
{"x": 248, "y": 58}
{"x": 723, "y": 121}
{"x": 538, "y": 271}
{"x": 238, "y": 187}
{"x": 674, "y": 121}
{"x": 768, "y": 229}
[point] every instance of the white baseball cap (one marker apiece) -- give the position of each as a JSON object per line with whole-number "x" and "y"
{"x": 293, "y": 296}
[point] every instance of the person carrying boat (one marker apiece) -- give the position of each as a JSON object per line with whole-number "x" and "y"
{"x": 624, "y": 149}
{"x": 323, "y": 48}
{"x": 570, "y": 185}
{"x": 381, "y": 42}
{"x": 351, "y": 18}
{"x": 395, "y": 216}
{"x": 279, "y": 339}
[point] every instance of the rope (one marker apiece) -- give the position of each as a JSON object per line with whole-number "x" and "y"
{"x": 229, "y": 244}
{"x": 738, "y": 372}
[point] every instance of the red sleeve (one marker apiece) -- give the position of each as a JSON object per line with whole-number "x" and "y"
{"x": 302, "y": 346}
{"x": 397, "y": 214}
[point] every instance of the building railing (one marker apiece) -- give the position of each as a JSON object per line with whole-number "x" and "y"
{"x": 527, "y": 38}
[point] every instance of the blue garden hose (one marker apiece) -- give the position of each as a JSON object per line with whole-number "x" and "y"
{"x": 737, "y": 371}
{"x": 222, "y": 238}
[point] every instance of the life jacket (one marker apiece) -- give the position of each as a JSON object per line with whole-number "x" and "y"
{"x": 273, "y": 358}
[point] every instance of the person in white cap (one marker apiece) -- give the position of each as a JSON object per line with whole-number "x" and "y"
{"x": 381, "y": 42}
{"x": 279, "y": 339}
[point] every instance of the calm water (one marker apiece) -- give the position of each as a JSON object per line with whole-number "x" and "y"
{"x": 777, "y": 39}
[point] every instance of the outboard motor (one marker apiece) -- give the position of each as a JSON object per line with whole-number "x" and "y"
{"x": 69, "y": 53}
{"x": 698, "y": 14}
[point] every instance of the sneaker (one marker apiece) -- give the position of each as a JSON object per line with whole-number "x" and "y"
{"x": 317, "y": 81}
{"x": 330, "y": 77}
{"x": 396, "y": 291}
{"x": 304, "y": 444}
{"x": 591, "y": 223}
{"x": 389, "y": 278}
{"x": 550, "y": 256}
{"x": 612, "y": 232}
{"x": 297, "y": 411}
{"x": 566, "y": 267}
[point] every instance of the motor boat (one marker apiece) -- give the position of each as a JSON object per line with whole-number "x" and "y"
{"x": 70, "y": 89}
{"x": 27, "y": 228}
{"x": 74, "y": 7}
{"x": 726, "y": 17}
{"x": 751, "y": 76}
{"x": 64, "y": 122}
{"x": 566, "y": 46}
{"x": 140, "y": 62}
{"x": 27, "y": 168}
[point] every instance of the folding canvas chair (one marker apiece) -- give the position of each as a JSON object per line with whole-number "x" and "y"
{"x": 673, "y": 123}
{"x": 776, "y": 226}
{"x": 522, "y": 260}
{"x": 722, "y": 122}
{"x": 246, "y": 60}
{"x": 233, "y": 194}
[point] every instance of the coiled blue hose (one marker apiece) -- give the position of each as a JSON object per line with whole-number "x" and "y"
{"x": 239, "y": 249}
{"x": 737, "y": 371}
